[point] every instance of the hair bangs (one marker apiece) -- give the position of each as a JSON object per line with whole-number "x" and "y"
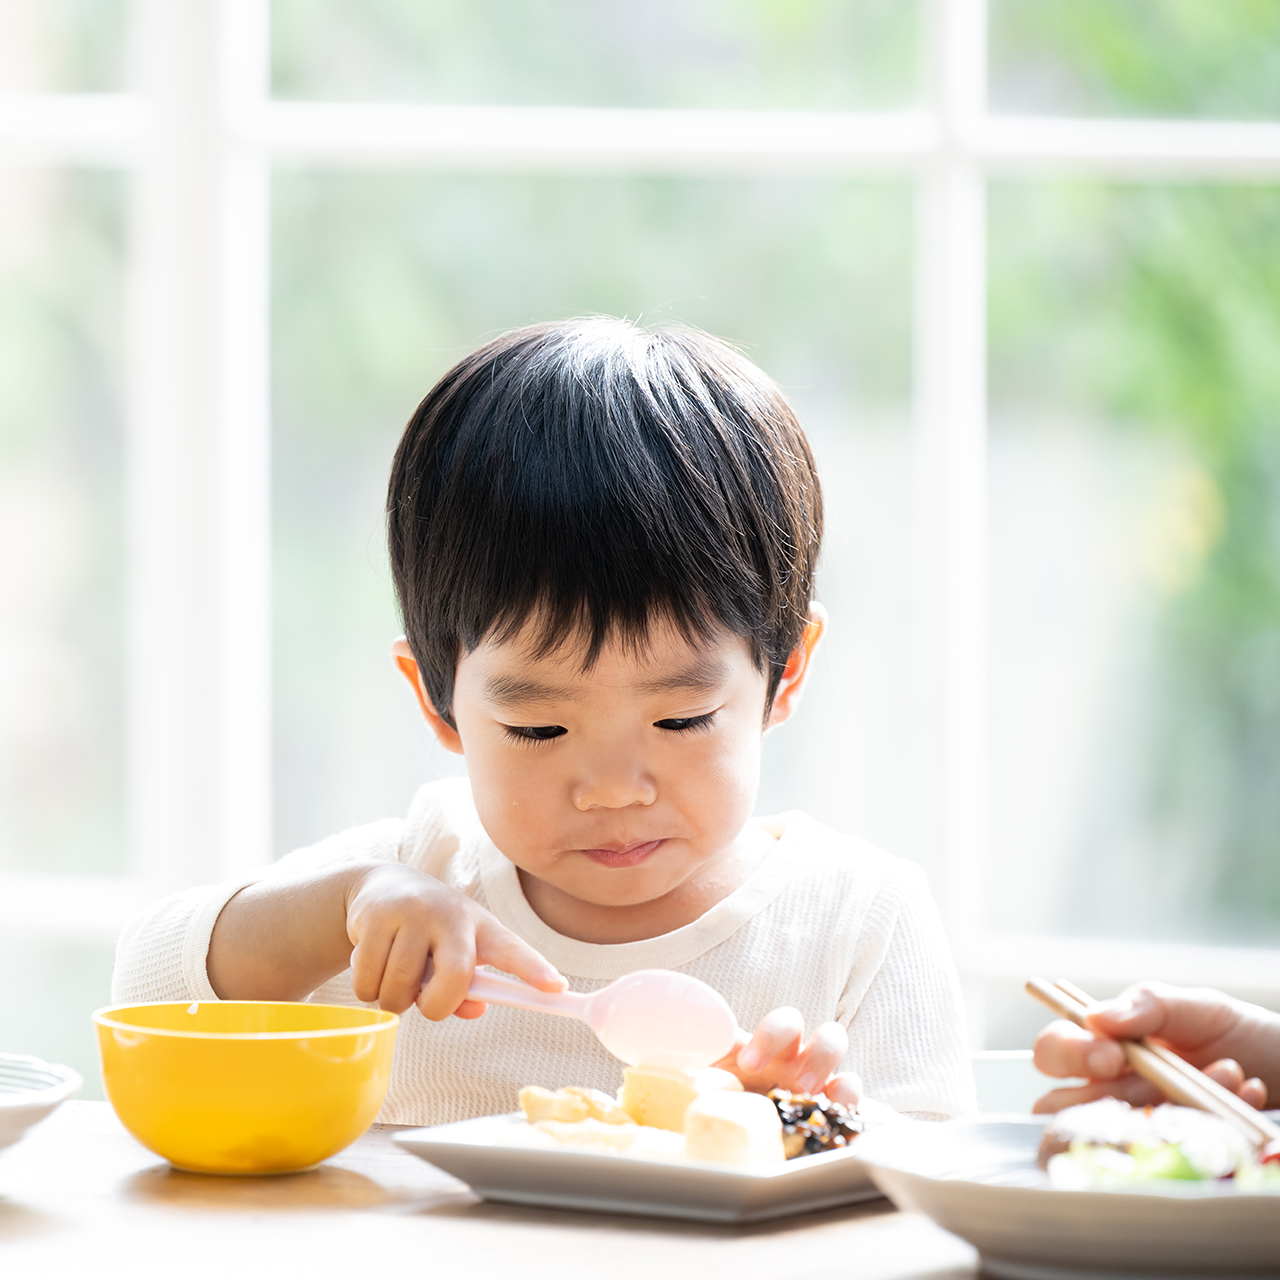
{"x": 589, "y": 478}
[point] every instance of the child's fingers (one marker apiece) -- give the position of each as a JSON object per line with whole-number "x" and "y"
{"x": 820, "y": 1057}
{"x": 368, "y": 960}
{"x": 454, "y": 961}
{"x": 846, "y": 1088}
{"x": 730, "y": 1060}
{"x": 776, "y": 1039}
{"x": 503, "y": 950}
{"x": 402, "y": 973}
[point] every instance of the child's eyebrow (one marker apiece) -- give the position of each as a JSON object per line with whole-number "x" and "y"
{"x": 703, "y": 676}
{"x": 513, "y": 689}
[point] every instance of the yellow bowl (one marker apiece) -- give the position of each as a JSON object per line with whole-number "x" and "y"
{"x": 245, "y": 1086}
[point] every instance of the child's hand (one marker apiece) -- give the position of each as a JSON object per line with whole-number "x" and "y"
{"x": 398, "y": 918}
{"x": 777, "y": 1057}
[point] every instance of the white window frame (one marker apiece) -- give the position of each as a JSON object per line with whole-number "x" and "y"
{"x": 200, "y": 137}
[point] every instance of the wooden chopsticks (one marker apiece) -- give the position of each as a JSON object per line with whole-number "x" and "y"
{"x": 1172, "y": 1075}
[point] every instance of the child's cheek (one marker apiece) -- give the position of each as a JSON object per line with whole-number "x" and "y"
{"x": 512, "y": 791}
{"x": 726, "y": 780}
{"x": 510, "y": 820}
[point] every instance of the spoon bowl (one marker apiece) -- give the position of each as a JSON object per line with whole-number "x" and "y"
{"x": 654, "y": 1016}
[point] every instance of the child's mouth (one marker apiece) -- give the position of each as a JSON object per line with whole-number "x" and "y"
{"x": 631, "y": 856}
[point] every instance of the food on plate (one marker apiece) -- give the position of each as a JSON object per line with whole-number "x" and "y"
{"x": 733, "y": 1128}
{"x": 570, "y": 1104}
{"x": 600, "y": 1106}
{"x": 813, "y": 1123}
{"x": 659, "y": 1096}
{"x": 700, "y": 1114}
{"x": 633, "y": 1139}
{"x": 1108, "y": 1143}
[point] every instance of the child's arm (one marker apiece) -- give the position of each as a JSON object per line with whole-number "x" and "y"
{"x": 280, "y": 939}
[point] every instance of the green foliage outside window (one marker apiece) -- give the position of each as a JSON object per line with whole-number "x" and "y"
{"x": 1156, "y": 310}
{"x": 1181, "y": 58}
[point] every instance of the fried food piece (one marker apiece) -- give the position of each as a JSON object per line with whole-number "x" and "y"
{"x": 569, "y": 1105}
{"x": 599, "y": 1105}
{"x": 548, "y": 1104}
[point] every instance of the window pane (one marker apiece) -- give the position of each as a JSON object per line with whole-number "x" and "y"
{"x": 830, "y": 54}
{"x": 62, "y": 46}
{"x": 382, "y": 282}
{"x": 49, "y": 991}
{"x": 1135, "y": 536}
{"x": 1136, "y": 57}
{"x": 61, "y": 696}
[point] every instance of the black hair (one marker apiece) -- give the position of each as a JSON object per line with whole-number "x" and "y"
{"x": 594, "y": 475}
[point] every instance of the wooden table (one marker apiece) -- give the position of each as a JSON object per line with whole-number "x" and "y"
{"x": 79, "y": 1197}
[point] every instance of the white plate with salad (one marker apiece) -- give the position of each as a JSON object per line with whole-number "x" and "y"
{"x": 1099, "y": 1216}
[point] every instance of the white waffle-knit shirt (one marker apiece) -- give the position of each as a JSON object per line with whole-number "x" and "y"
{"x": 827, "y": 924}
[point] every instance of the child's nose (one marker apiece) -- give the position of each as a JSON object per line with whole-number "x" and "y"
{"x": 615, "y": 784}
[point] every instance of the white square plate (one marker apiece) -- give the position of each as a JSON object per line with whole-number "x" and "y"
{"x": 486, "y": 1154}
{"x": 978, "y": 1178}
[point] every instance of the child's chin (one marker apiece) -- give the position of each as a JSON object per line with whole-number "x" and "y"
{"x": 618, "y": 889}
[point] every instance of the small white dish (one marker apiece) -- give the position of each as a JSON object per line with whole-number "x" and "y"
{"x": 978, "y": 1179}
{"x": 489, "y": 1154}
{"x": 29, "y": 1090}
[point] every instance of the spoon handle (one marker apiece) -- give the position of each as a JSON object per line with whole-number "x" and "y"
{"x": 499, "y": 988}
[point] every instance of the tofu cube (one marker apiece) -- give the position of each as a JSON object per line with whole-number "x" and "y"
{"x": 659, "y": 1096}
{"x": 733, "y": 1128}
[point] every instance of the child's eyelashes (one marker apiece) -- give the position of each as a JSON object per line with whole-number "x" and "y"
{"x": 533, "y": 734}
{"x": 688, "y": 724}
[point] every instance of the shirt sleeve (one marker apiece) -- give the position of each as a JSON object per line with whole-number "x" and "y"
{"x": 162, "y": 954}
{"x": 907, "y": 1031}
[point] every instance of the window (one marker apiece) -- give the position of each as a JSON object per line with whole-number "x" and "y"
{"x": 1026, "y": 310}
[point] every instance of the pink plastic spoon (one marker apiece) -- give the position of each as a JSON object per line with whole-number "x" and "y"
{"x": 652, "y": 1016}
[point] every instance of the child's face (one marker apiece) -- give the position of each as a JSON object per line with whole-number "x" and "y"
{"x": 618, "y": 784}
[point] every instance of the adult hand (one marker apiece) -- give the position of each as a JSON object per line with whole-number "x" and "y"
{"x": 1238, "y": 1044}
{"x": 777, "y": 1056}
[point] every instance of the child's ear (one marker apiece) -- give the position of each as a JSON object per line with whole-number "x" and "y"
{"x": 445, "y": 733}
{"x": 796, "y": 672}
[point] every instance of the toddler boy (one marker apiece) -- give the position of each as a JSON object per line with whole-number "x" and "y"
{"x": 603, "y": 542}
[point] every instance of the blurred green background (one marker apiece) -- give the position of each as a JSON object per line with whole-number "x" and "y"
{"x": 717, "y": 54}
{"x": 1177, "y": 58}
{"x": 1134, "y": 483}
{"x": 62, "y": 247}
{"x": 1134, "y": 337}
